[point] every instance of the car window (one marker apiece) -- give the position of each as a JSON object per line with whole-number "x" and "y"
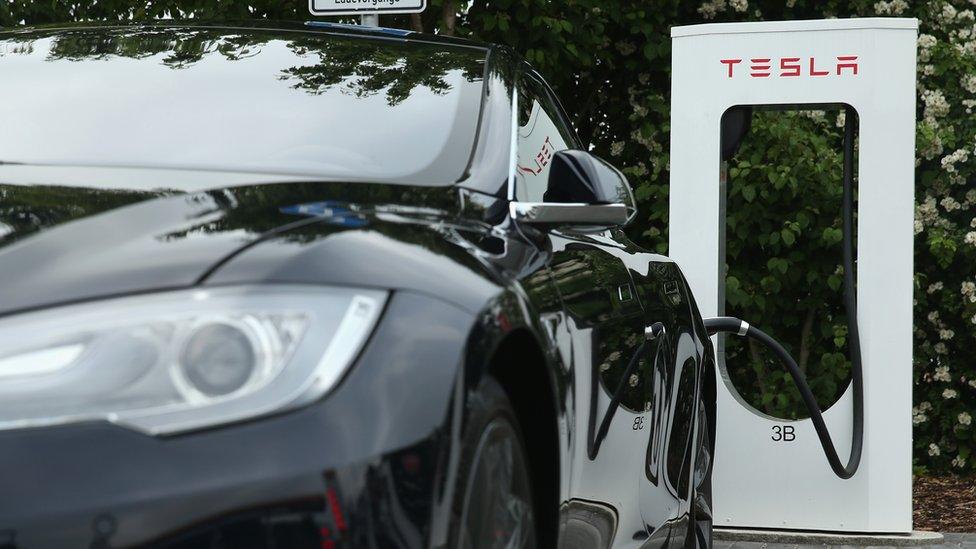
{"x": 542, "y": 132}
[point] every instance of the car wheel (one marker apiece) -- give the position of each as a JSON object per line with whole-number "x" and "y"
{"x": 701, "y": 513}
{"x": 493, "y": 506}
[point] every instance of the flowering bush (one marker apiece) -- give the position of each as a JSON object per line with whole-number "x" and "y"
{"x": 945, "y": 246}
{"x": 610, "y": 62}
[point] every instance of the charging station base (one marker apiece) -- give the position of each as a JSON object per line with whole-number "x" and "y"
{"x": 793, "y": 537}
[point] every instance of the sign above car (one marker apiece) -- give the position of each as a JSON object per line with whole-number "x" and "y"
{"x": 362, "y": 7}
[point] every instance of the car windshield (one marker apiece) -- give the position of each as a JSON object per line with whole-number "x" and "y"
{"x": 306, "y": 103}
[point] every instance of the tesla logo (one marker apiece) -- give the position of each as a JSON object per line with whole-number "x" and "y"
{"x": 783, "y": 67}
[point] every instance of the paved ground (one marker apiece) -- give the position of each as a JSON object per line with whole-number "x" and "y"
{"x": 951, "y": 541}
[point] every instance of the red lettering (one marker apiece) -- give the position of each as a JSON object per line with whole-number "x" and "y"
{"x": 541, "y": 159}
{"x": 731, "y": 63}
{"x": 846, "y": 62}
{"x": 790, "y": 66}
{"x": 760, "y": 67}
{"x": 814, "y": 71}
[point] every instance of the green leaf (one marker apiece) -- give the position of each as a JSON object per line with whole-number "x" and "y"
{"x": 788, "y": 237}
{"x": 749, "y": 193}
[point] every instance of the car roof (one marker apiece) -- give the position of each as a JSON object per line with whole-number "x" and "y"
{"x": 311, "y": 26}
{"x": 112, "y": 54}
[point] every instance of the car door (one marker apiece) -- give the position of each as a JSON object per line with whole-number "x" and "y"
{"x": 665, "y": 394}
{"x": 605, "y": 319}
{"x": 673, "y": 390}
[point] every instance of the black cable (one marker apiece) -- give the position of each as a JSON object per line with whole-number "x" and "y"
{"x": 601, "y": 433}
{"x": 736, "y": 326}
{"x": 651, "y": 333}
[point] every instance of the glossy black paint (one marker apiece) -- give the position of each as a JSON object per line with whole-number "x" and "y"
{"x": 554, "y": 315}
{"x": 579, "y": 176}
{"x": 59, "y": 483}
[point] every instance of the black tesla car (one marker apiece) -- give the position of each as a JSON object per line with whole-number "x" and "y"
{"x": 325, "y": 286}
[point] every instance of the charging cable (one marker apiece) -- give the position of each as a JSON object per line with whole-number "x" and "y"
{"x": 742, "y": 328}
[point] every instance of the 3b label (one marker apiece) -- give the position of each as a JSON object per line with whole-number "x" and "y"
{"x": 783, "y": 433}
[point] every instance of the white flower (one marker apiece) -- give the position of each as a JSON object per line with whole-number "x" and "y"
{"x": 959, "y": 462}
{"x": 711, "y": 8}
{"x": 964, "y": 418}
{"x": 925, "y": 405}
{"x": 633, "y": 380}
{"x": 918, "y": 414}
{"x": 941, "y": 374}
{"x": 950, "y": 204}
{"x": 936, "y": 105}
{"x": 971, "y": 383}
{"x": 893, "y": 7}
{"x": 616, "y": 148}
{"x": 949, "y": 394}
{"x": 936, "y": 286}
{"x": 925, "y": 44}
{"x": 948, "y": 13}
{"x": 927, "y": 211}
{"x": 934, "y": 317}
{"x": 969, "y": 83}
{"x": 946, "y": 334}
{"x": 971, "y": 238}
{"x": 841, "y": 119}
{"x": 816, "y": 115}
{"x": 739, "y": 5}
{"x": 968, "y": 288}
{"x": 934, "y": 450}
{"x": 949, "y": 162}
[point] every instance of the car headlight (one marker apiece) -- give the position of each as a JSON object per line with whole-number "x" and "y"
{"x": 175, "y": 361}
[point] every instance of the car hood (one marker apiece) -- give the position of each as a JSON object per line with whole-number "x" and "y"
{"x": 73, "y": 234}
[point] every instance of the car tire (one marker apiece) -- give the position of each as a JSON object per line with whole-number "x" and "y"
{"x": 701, "y": 512}
{"x": 493, "y": 505}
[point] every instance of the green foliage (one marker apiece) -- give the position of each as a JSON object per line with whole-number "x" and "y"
{"x": 784, "y": 255}
{"x": 610, "y": 63}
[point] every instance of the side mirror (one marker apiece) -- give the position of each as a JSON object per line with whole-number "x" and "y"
{"x": 582, "y": 190}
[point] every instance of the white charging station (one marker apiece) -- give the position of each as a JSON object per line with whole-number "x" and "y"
{"x": 762, "y": 480}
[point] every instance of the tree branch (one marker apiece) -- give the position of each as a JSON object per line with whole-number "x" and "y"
{"x": 449, "y": 18}
{"x": 416, "y": 23}
{"x": 756, "y": 358}
{"x": 805, "y": 339}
